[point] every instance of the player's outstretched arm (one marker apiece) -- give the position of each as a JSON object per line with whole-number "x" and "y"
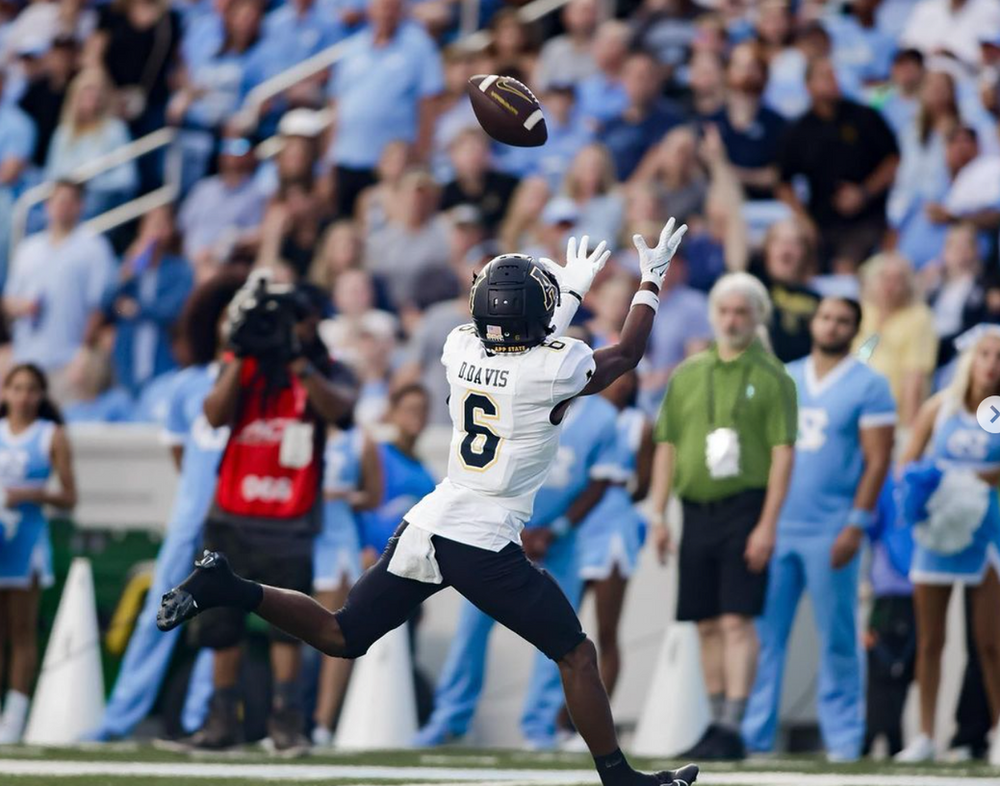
{"x": 611, "y": 362}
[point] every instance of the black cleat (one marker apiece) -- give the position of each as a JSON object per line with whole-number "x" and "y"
{"x": 181, "y": 603}
{"x": 685, "y": 776}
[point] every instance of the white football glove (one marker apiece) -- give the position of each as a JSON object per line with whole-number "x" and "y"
{"x": 581, "y": 269}
{"x": 655, "y": 262}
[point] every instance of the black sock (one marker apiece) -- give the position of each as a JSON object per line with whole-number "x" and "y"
{"x": 615, "y": 770}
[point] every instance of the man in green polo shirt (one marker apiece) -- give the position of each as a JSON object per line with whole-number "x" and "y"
{"x": 727, "y": 431}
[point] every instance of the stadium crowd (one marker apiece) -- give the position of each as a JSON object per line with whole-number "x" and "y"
{"x": 824, "y": 150}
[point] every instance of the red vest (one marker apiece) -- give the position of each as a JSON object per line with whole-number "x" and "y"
{"x": 252, "y": 481}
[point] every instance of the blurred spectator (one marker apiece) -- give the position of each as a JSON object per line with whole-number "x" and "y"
{"x": 292, "y": 226}
{"x": 453, "y": 110}
{"x": 558, "y": 220}
{"x": 727, "y": 427}
{"x": 648, "y": 116}
{"x": 383, "y": 89}
{"x": 423, "y": 353}
{"x": 785, "y": 271}
{"x": 221, "y": 208}
{"x": 591, "y": 184}
{"x": 903, "y": 326}
{"x": 707, "y": 86}
{"x": 413, "y": 243}
{"x": 860, "y": 44}
{"x": 667, "y": 30}
{"x": 842, "y": 454}
{"x": 53, "y": 295}
{"x": 970, "y": 191}
{"x": 146, "y": 300}
{"x": 211, "y": 89}
{"x": 569, "y": 58}
{"x": 750, "y": 131}
{"x": 513, "y": 47}
{"x": 673, "y": 167}
{"x": 522, "y": 222}
{"x": 475, "y": 181}
{"x": 899, "y": 106}
{"x": 952, "y": 27}
{"x": 680, "y": 329}
{"x": 787, "y": 92}
{"x": 88, "y": 128}
{"x": 848, "y": 156}
{"x": 297, "y": 156}
{"x": 339, "y": 250}
{"x": 600, "y": 96}
{"x": 297, "y": 30}
{"x": 890, "y": 637}
{"x": 95, "y": 398}
{"x": 610, "y": 303}
{"x": 33, "y": 445}
{"x": 353, "y": 302}
{"x": 955, "y": 290}
{"x": 405, "y": 477}
{"x": 772, "y": 27}
{"x": 378, "y": 204}
{"x": 137, "y": 42}
{"x": 17, "y": 142}
{"x": 44, "y": 95}
{"x": 467, "y": 232}
{"x": 568, "y": 133}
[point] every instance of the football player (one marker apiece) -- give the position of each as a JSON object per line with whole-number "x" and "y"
{"x": 511, "y": 384}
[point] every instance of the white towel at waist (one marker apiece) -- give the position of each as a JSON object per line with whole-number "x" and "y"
{"x": 414, "y": 557}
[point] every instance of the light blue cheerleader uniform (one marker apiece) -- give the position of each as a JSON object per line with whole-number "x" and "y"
{"x": 612, "y": 533}
{"x": 960, "y": 443}
{"x": 337, "y": 550}
{"x": 25, "y": 548}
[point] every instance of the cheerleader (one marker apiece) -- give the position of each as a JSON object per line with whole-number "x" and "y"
{"x": 611, "y": 535}
{"x": 33, "y": 443}
{"x": 352, "y": 481}
{"x": 958, "y": 537}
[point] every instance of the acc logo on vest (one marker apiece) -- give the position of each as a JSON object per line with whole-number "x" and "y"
{"x": 266, "y": 489}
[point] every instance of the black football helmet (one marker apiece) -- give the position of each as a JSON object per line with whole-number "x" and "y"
{"x": 512, "y": 302}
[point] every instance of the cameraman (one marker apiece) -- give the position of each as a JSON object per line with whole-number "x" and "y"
{"x": 277, "y": 395}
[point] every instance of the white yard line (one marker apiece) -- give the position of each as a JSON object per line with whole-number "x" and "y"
{"x": 449, "y": 775}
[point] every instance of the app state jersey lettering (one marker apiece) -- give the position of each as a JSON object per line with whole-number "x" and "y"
{"x": 503, "y": 443}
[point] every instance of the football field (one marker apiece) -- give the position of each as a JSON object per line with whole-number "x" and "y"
{"x": 118, "y": 765}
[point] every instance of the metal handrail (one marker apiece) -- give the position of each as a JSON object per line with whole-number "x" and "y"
{"x": 162, "y": 137}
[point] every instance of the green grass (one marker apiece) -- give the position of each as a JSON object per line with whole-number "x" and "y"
{"x": 455, "y": 757}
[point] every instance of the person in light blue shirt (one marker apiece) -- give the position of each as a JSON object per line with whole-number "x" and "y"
{"x": 846, "y": 422}
{"x": 568, "y": 135}
{"x": 153, "y": 403}
{"x": 382, "y": 91}
{"x": 145, "y": 302}
{"x": 899, "y": 107}
{"x": 601, "y": 96}
{"x": 860, "y": 45}
{"x": 298, "y": 30}
{"x": 222, "y": 207}
{"x": 55, "y": 287}
{"x": 571, "y": 490}
{"x": 17, "y": 144}
{"x": 196, "y": 449}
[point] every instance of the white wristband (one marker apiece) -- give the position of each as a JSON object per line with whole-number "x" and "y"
{"x": 646, "y": 298}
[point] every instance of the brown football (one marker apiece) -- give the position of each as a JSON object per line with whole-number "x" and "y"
{"x": 507, "y": 110}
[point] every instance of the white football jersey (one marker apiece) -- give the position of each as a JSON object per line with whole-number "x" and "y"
{"x": 503, "y": 440}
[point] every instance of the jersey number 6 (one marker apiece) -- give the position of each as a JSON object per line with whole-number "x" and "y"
{"x": 481, "y": 444}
